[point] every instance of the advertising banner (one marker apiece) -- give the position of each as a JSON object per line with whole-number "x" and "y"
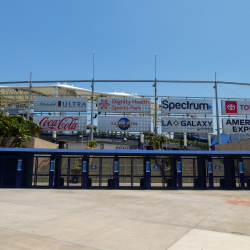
{"x": 186, "y": 106}
{"x": 192, "y": 125}
{"x": 60, "y": 104}
{"x": 124, "y": 105}
{"x": 124, "y": 124}
{"x": 235, "y": 107}
{"x": 235, "y": 126}
{"x": 61, "y": 123}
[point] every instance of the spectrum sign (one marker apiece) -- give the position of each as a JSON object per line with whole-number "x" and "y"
{"x": 124, "y": 124}
{"x": 61, "y": 123}
{"x": 60, "y": 104}
{"x": 186, "y": 106}
{"x": 197, "y": 125}
{"x": 236, "y": 126}
{"x": 235, "y": 107}
{"x": 124, "y": 105}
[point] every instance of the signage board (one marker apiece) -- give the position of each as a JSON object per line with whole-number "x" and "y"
{"x": 60, "y": 104}
{"x": 235, "y": 126}
{"x": 124, "y": 105}
{"x": 93, "y": 167}
{"x": 217, "y": 167}
{"x": 186, "y": 106}
{"x": 124, "y": 124}
{"x": 179, "y": 124}
{"x": 235, "y": 107}
{"x": 19, "y": 165}
{"x": 157, "y": 167}
{"x": 61, "y": 123}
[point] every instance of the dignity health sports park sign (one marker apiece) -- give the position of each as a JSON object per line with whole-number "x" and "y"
{"x": 236, "y": 126}
{"x": 124, "y": 105}
{"x": 60, "y": 104}
{"x": 125, "y": 124}
{"x": 61, "y": 123}
{"x": 235, "y": 107}
{"x": 186, "y": 106}
{"x": 172, "y": 124}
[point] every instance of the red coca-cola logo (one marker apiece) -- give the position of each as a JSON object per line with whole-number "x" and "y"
{"x": 67, "y": 123}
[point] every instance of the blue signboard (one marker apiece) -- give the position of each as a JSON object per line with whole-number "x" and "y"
{"x": 116, "y": 166}
{"x": 84, "y": 166}
{"x": 157, "y": 167}
{"x": 240, "y": 167}
{"x": 178, "y": 166}
{"x": 147, "y": 166}
{"x": 19, "y": 165}
{"x": 52, "y": 165}
{"x": 217, "y": 167}
{"x": 93, "y": 167}
{"x": 210, "y": 167}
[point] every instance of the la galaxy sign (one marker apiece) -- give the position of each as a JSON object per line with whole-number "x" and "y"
{"x": 186, "y": 106}
{"x": 194, "y": 125}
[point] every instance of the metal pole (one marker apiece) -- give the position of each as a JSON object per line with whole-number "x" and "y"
{"x": 217, "y": 112}
{"x": 209, "y": 141}
{"x": 28, "y": 115}
{"x": 156, "y": 98}
{"x": 55, "y": 114}
{"x": 92, "y": 99}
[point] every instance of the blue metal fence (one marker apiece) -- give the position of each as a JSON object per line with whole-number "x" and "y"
{"x": 145, "y": 169}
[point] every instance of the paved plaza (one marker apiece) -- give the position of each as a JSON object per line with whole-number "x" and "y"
{"x": 124, "y": 219}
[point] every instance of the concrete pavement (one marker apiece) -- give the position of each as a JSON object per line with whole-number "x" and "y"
{"x": 123, "y": 219}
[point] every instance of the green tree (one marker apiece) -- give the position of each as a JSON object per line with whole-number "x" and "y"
{"x": 162, "y": 140}
{"x": 14, "y": 130}
{"x": 154, "y": 141}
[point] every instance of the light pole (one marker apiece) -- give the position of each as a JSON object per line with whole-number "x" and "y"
{"x": 28, "y": 115}
{"x": 217, "y": 112}
{"x": 156, "y": 98}
{"x": 92, "y": 99}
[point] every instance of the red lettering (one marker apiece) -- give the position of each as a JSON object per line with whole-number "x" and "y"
{"x": 241, "y": 106}
{"x": 246, "y": 107}
{"x": 43, "y": 120}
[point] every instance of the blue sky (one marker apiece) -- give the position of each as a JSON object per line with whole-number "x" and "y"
{"x": 193, "y": 39}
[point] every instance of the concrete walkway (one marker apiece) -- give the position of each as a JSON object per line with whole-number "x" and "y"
{"x": 124, "y": 219}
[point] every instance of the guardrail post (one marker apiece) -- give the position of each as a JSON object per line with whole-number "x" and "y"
{"x": 19, "y": 172}
{"x": 210, "y": 173}
{"x": 148, "y": 173}
{"x": 52, "y": 171}
{"x": 116, "y": 171}
{"x": 241, "y": 172}
{"x": 179, "y": 172}
{"x": 85, "y": 164}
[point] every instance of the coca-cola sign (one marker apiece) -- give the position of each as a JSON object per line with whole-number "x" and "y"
{"x": 60, "y": 104}
{"x": 61, "y": 123}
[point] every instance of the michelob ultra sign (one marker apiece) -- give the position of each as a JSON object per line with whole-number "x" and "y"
{"x": 235, "y": 107}
{"x": 124, "y": 124}
{"x": 172, "y": 124}
{"x": 61, "y": 123}
{"x": 186, "y": 106}
{"x": 124, "y": 105}
{"x": 60, "y": 104}
{"x": 235, "y": 126}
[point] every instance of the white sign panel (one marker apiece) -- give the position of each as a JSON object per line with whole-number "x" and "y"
{"x": 60, "y": 104}
{"x": 124, "y": 105}
{"x": 124, "y": 124}
{"x": 61, "y": 123}
{"x": 235, "y": 107}
{"x": 186, "y": 106}
{"x": 192, "y": 125}
{"x": 235, "y": 126}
